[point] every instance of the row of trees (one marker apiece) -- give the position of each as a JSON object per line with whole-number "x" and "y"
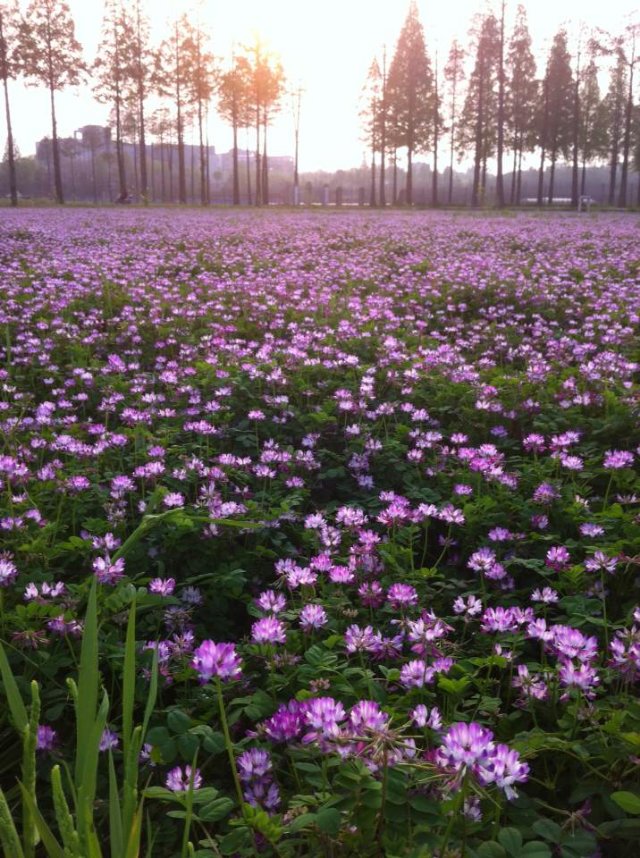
{"x": 491, "y": 102}
{"x": 128, "y": 71}
{"x": 488, "y": 103}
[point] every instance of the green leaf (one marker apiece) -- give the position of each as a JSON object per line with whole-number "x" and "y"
{"x": 88, "y": 680}
{"x": 511, "y": 839}
{"x": 491, "y": 849}
{"x": 235, "y": 841}
{"x": 216, "y": 810}
{"x": 535, "y": 849}
{"x": 16, "y": 705}
{"x": 51, "y": 844}
{"x": 548, "y": 829}
{"x": 628, "y": 801}
{"x": 328, "y": 820}
{"x": 178, "y": 721}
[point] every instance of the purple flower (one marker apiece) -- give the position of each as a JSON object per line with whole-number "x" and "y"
{"x": 357, "y": 639}
{"x": 422, "y": 718}
{"x": 601, "y": 563}
{"x": 173, "y": 500}
{"x": 108, "y": 572}
{"x": 287, "y": 723}
{"x": 367, "y": 716}
{"x": 464, "y": 746}
{"x": 271, "y": 602}
{"x": 558, "y": 558}
{"x": 162, "y": 586}
{"x": 402, "y": 596}
{"x": 313, "y": 617}
{"x": 8, "y": 570}
{"x": 216, "y": 659}
{"x": 323, "y": 715}
{"x": 582, "y": 676}
{"x": 504, "y": 769}
{"x": 177, "y": 781}
{"x": 109, "y": 740}
{"x": 46, "y": 739}
{"x": 253, "y": 764}
{"x": 268, "y": 630}
{"x": 416, "y": 674}
{"x": 615, "y": 460}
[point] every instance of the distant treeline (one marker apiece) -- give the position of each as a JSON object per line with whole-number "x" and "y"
{"x": 488, "y": 104}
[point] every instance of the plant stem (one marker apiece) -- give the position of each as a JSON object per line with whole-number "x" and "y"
{"x": 228, "y": 743}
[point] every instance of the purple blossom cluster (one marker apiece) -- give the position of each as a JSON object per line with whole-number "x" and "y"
{"x": 405, "y": 501}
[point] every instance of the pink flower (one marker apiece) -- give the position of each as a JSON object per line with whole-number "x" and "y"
{"x": 216, "y": 659}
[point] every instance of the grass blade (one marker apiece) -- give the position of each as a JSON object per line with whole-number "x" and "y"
{"x": 51, "y": 844}
{"x": 16, "y": 705}
{"x": 115, "y": 813}
{"x": 88, "y": 682}
{"x": 8, "y": 834}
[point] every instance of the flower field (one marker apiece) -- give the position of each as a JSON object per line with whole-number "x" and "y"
{"x": 319, "y": 535}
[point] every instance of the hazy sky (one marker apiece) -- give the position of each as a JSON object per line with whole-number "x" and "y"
{"x": 325, "y": 45}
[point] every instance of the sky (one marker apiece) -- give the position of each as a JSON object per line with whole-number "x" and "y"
{"x": 326, "y": 48}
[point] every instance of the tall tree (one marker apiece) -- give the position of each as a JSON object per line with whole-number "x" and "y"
{"x": 592, "y": 138}
{"x": 9, "y": 35}
{"x": 614, "y": 107}
{"x": 51, "y": 55}
{"x": 140, "y": 72}
{"x": 234, "y": 106}
{"x": 629, "y": 48}
{"x": 200, "y": 91}
{"x": 370, "y": 116}
{"x": 172, "y": 76}
{"x": 501, "y": 111}
{"x": 477, "y": 127}
{"x": 453, "y": 75}
{"x": 410, "y": 89}
{"x": 110, "y": 69}
{"x": 267, "y": 78}
{"x": 522, "y": 93}
{"x": 560, "y": 104}
{"x": 576, "y": 120}
{"x": 383, "y": 129}
{"x": 436, "y": 129}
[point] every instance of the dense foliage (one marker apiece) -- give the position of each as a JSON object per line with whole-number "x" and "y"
{"x": 320, "y": 535}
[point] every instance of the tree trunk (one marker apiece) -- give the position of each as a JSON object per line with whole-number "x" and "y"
{"x": 382, "y": 195}
{"x": 258, "y": 193}
{"x": 395, "y": 177}
{"x": 57, "y": 171}
{"x": 409, "y": 181}
{"x": 163, "y": 184}
{"x": 144, "y": 184}
{"x": 500, "y": 177}
{"x": 94, "y": 180}
{"x": 13, "y": 181}
{"x": 512, "y": 193}
{"x": 583, "y": 181}
{"x": 626, "y": 144}
{"x": 552, "y": 175}
{"x": 236, "y": 175}
{"x": 203, "y": 174}
{"x": 265, "y": 162}
{"x": 541, "y": 175}
{"x": 477, "y": 159}
{"x": 519, "y": 181}
{"x": 152, "y": 186}
{"x": 372, "y": 192}
{"x": 613, "y": 171}
{"x": 122, "y": 176}
{"x": 248, "y": 165}
{"x": 576, "y": 134}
